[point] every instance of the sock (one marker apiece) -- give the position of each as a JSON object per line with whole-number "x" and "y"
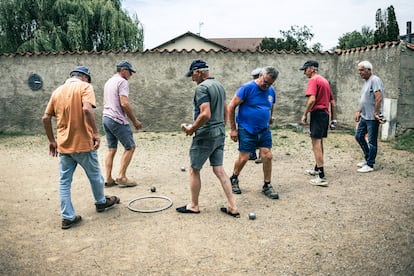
{"x": 266, "y": 184}
{"x": 321, "y": 172}
{"x": 234, "y": 176}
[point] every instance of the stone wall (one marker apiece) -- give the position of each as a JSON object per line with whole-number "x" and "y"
{"x": 162, "y": 97}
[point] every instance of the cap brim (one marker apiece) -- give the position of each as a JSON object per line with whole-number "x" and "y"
{"x": 303, "y": 68}
{"x": 189, "y": 73}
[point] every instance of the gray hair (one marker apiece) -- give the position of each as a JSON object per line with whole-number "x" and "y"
{"x": 77, "y": 74}
{"x": 271, "y": 71}
{"x": 202, "y": 70}
{"x": 366, "y": 64}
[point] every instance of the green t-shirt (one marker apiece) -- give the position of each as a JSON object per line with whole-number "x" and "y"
{"x": 212, "y": 91}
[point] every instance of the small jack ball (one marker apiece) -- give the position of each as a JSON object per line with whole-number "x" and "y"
{"x": 183, "y": 169}
{"x": 252, "y": 216}
{"x": 153, "y": 189}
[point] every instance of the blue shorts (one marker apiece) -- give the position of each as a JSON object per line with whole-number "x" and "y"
{"x": 250, "y": 142}
{"x": 203, "y": 148}
{"x": 117, "y": 132}
{"x": 319, "y": 123}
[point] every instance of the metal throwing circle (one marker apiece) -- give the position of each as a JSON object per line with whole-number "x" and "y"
{"x": 169, "y": 204}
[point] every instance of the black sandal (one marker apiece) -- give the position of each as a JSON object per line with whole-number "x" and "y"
{"x": 224, "y": 210}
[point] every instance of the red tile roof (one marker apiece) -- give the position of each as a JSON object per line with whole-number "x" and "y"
{"x": 242, "y": 44}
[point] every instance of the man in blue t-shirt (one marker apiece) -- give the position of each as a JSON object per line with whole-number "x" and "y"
{"x": 255, "y": 101}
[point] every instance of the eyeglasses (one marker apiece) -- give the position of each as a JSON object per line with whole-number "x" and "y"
{"x": 267, "y": 82}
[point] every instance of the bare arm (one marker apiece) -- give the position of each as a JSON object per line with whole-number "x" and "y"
{"x": 309, "y": 104}
{"x": 226, "y": 114}
{"x": 90, "y": 118}
{"x": 271, "y": 114}
{"x": 128, "y": 110}
{"x": 378, "y": 100}
{"x": 236, "y": 101}
{"x": 202, "y": 119}
{"x": 47, "y": 124}
{"x": 333, "y": 110}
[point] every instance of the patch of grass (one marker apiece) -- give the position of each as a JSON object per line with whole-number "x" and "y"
{"x": 14, "y": 134}
{"x": 275, "y": 127}
{"x": 405, "y": 142}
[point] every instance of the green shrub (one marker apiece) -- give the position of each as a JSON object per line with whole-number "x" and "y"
{"x": 405, "y": 142}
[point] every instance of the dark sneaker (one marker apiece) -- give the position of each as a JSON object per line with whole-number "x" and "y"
{"x": 235, "y": 186}
{"x": 270, "y": 192}
{"x": 252, "y": 156}
{"x": 66, "y": 224}
{"x": 110, "y": 202}
{"x": 258, "y": 161}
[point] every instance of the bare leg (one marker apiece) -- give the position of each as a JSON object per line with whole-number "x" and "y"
{"x": 109, "y": 161}
{"x": 125, "y": 160}
{"x": 240, "y": 162}
{"x": 195, "y": 187}
{"x": 317, "y": 147}
{"x": 225, "y": 183}
{"x": 266, "y": 155}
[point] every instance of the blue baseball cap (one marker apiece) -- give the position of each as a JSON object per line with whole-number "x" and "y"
{"x": 84, "y": 70}
{"x": 126, "y": 65}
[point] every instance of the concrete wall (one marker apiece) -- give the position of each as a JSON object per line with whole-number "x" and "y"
{"x": 162, "y": 97}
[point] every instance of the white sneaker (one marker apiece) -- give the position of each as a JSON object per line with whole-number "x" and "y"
{"x": 311, "y": 172}
{"x": 319, "y": 181}
{"x": 361, "y": 164}
{"x": 365, "y": 169}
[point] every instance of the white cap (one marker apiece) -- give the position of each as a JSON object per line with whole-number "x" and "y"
{"x": 256, "y": 71}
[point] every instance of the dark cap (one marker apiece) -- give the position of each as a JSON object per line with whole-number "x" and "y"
{"x": 196, "y": 64}
{"x": 126, "y": 65}
{"x": 84, "y": 70}
{"x": 309, "y": 63}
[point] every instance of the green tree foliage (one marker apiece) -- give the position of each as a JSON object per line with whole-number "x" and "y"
{"x": 393, "y": 32}
{"x": 58, "y": 25}
{"x": 386, "y": 26}
{"x": 386, "y": 29}
{"x": 380, "y": 34}
{"x": 356, "y": 39}
{"x": 296, "y": 38}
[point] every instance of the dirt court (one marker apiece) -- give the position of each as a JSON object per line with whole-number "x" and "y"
{"x": 362, "y": 224}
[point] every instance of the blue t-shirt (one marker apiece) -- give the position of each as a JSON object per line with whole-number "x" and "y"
{"x": 255, "y": 110}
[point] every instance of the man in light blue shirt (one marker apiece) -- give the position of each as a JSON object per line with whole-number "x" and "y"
{"x": 369, "y": 116}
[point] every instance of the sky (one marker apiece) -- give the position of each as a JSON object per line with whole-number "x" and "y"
{"x": 328, "y": 20}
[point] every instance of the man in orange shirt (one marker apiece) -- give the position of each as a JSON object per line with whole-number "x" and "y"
{"x": 77, "y": 141}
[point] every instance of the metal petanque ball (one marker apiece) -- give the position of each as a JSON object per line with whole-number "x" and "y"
{"x": 183, "y": 169}
{"x": 153, "y": 189}
{"x": 252, "y": 216}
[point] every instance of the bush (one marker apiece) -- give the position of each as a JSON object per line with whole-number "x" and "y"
{"x": 405, "y": 142}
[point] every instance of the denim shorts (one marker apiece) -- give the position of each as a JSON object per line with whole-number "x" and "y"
{"x": 117, "y": 132}
{"x": 319, "y": 123}
{"x": 250, "y": 142}
{"x": 203, "y": 148}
